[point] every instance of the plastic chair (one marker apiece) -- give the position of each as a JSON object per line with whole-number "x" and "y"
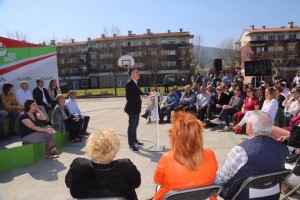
{"x": 266, "y": 185}
{"x": 197, "y": 193}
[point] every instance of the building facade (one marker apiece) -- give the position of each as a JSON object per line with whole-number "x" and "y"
{"x": 280, "y": 45}
{"x": 94, "y": 63}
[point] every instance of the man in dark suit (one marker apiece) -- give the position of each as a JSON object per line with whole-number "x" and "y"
{"x": 41, "y": 95}
{"x": 133, "y": 107}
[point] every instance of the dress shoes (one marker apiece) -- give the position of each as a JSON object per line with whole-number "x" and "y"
{"x": 138, "y": 144}
{"x": 133, "y": 148}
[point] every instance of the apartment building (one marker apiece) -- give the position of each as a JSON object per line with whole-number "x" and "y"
{"x": 280, "y": 45}
{"x": 93, "y": 63}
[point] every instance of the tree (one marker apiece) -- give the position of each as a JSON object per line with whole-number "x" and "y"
{"x": 108, "y": 53}
{"x": 17, "y": 35}
{"x": 199, "y": 55}
{"x": 68, "y": 59}
{"x": 154, "y": 58}
{"x": 228, "y": 51}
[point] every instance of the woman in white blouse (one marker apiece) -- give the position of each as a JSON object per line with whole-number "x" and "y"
{"x": 270, "y": 106}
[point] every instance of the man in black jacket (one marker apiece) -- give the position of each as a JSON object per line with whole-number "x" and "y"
{"x": 133, "y": 107}
{"x": 41, "y": 95}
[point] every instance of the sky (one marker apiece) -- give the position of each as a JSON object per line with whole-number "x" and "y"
{"x": 214, "y": 20}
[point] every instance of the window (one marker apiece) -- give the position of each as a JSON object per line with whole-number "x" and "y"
{"x": 84, "y": 83}
{"x": 260, "y": 50}
{"x": 183, "y": 42}
{"x": 258, "y": 38}
{"x": 292, "y": 36}
{"x": 171, "y": 41}
{"x": 280, "y": 37}
{"x": 153, "y": 42}
{"x": 143, "y": 43}
{"x": 271, "y": 37}
{"x": 128, "y": 44}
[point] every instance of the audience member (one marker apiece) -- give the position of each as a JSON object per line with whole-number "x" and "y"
{"x": 63, "y": 120}
{"x": 3, "y": 114}
{"x": 53, "y": 91}
{"x": 297, "y": 78}
{"x": 227, "y": 79}
{"x": 286, "y": 90}
{"x": 217, "y": 102}
{"x": 202, "y": 102}
{"x": 261, "y": 96}
{"x": 187, "y": 164}
{"x": 31, "y": 132}
{"x": 169, "y": 105}
{"x": 277, "y": 76}
{"x": 270, "y": 106}
{"x": 41, "y": 95}
{"x": 151, "y": 103}
{"x": 101, "y": 176}
{"x": 285, "y": 132}
{"x": 187, "y": 99}
{"x": 23, "y": 93}
{"x": 75, "y": 111}
{"x": 279, "y": 96}
{"x": 235, "y": 104}
{"x": 177, "y": 92}
{"x": 166, "y": 84}
{"x": 195, "y": 89}
{"x": 250, "y": 103}
{"x": 291, "y": 103}
{"x": 259, "y": 155}
{"x": 11, "y": 105}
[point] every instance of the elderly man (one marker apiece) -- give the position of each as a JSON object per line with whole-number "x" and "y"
{"x": 75, "y": 111}
{"x": 259, "y": 155}
{"x": 187, "y": 99}
{"x": 202, "y": 102}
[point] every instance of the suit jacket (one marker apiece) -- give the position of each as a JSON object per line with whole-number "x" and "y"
{"x": 87, "y": 179}
{"x": 134, "y": 102}
{"x": 38, "y": 96}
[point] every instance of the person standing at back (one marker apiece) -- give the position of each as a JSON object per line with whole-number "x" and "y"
{"x": 133, "y": 107}
{"x": 41, "y": 95}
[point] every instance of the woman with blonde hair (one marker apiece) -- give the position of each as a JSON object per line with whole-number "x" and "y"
{"x": 101, "y": 175}
{"x": 187, "y": 164}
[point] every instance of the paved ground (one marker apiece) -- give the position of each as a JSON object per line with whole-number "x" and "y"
{"x": 45, "y": 179}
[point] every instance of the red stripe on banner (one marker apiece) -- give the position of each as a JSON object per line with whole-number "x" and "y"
{"x": 10, "y": 43}
{"x": 17, "y": 66}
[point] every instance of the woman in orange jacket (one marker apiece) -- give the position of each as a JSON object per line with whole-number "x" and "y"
{"x": 187, "y": 164}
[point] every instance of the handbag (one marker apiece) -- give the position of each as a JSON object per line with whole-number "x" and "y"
{"x": 294, "y": 140}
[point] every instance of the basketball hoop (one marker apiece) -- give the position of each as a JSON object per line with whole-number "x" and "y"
{"x": 126, "y": 61}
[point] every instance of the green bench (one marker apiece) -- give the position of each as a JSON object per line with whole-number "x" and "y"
{"x": 28, "y": 154}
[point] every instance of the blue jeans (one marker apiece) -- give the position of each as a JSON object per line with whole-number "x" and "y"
{"x": 12, "y": 116}
{"x": 2, "y": 118}
{"x": 225, "y": 114}
{"x": 133, "y": 124}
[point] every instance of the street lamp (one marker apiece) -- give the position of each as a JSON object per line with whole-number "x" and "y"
{"x": 84, "y": 70}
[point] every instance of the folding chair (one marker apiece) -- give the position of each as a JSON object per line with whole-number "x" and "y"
{"x": 197, "y": 193}
{"x": 266, "y": 185}
{"x": 293, "y": 193}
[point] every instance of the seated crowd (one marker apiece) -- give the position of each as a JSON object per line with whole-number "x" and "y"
{"x": 31, "y": 110}
{"x": 256, "y": 111}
